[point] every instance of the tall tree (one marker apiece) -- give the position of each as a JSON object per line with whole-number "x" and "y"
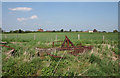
{"x": 62, "y": 30}
{"x": 115, "y": 31}
{"x": 94, "y": 30}
{"x": 20, "y": 31}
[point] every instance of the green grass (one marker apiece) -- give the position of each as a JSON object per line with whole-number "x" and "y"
{"x": 25, "y": 62}
{"x": 44, "y": 36}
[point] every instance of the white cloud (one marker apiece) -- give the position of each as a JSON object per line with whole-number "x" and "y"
{"x": 29, "y": 18}
{"x": 21, "y": 19}
{"x": 20, "y": 9}
{"x": 34, "y": 17}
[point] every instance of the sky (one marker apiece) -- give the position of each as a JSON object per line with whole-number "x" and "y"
{"x": 102, "y": 16}
{"x": 60, "y": 0}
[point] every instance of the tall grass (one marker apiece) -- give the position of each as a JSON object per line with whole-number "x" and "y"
{"x": 27, "y": 63}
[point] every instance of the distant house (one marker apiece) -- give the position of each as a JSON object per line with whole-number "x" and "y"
{"x": 85, "y": 31}
{"x": 90, "y": 31}
{"x": 41, "y": 30}
{"x": 48, "y": 31}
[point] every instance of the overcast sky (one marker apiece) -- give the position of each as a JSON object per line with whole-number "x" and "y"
{"x": 60, "y": 15}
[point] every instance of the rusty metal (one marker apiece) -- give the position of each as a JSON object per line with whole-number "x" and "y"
{"x": 53, "y": 44}
{"x": 80, "y": 49}
{"x": 10, "y": 53}
{"x": 67, "y": 42}
{"x": 64, "y": 48}
{"x": 69, "y": 46}
{"x": 76, "y": 49}
{"x": 7, "y": 46}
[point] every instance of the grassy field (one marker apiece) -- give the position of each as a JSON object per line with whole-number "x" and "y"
{"x": 101, "y": 60}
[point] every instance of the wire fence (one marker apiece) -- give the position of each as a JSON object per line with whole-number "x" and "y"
{"x": 53, "y": 37}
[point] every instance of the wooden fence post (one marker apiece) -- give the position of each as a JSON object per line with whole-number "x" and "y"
{"x": 103, "y": 38}
{"x": 78, "y": 36}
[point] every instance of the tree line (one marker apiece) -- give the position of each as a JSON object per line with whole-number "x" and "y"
{"x": 62, "y": 30}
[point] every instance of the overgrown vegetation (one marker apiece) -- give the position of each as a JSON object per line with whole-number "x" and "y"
{"x": 102, "y": 60}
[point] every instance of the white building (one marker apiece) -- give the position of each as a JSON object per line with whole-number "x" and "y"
{"x": 90, "y": 31}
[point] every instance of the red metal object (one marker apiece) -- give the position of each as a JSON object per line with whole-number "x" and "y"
{"x": 67, "y": 42}
{"x": 11, "y": 51}
{"x": 80, "y": 49}
{"x": 75, "y": 49}
{"x": 53, "y": 44}
{"x": 7, "y": 46}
